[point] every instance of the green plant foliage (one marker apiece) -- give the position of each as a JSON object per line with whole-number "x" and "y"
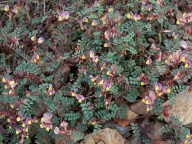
{"x": 65, "y": 65}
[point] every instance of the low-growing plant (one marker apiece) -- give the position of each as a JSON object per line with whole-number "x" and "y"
{"x": 63, "y": 65}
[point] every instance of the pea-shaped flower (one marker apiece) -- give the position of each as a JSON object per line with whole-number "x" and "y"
{"x": 40, "y": 40}
{"x": 6, "y": 8}
{"x": 63, "y": 16}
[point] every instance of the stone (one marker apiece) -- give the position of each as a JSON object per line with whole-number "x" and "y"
{"x": 130, "y": 117}
{"x": 139, "y": 107}
{"x": 104, "y": 136}
{"x": 181, "y": 107}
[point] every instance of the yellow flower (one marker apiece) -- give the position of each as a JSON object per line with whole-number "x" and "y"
{"x": 67, "y": 17}
{"x": 101, "y": 82}
{"x": 166, "y": 61}
{"x": 96, "y": 60}
{"x": 86, "y": 20}
{"x": 178, "y": 22}
{"x": 80, "y": 101}
{"x": 128, "y": 16}
{"x": 168, "y": 90}
{"x": 60, "y": 18}
{"x": 93, "y": 23}
{"x": 170, "y": 56}
{"x": 93, "y": 123}
{"x": 187, "y": 136}
{"x": 18, "y": 119}
{"x": 17, "y": 132}
{"x": 107, "y": 88}
{"x": 23, "y": 125}
{"x": 160, "y": 94}
{"x": 12, "y": 82}
{"x": 6, "y": 8}
{"x": 82, "y": 28}
{"x": 183, "y": 59}
{"x": 33, "y": 38}
{"x": 148, "y": 109}
{"x": 108, "y": 73}
{"x": 156, "y": 88}
{"x": 143, "y": 100}
{"x": 12, "y": 106}
{"x": 41, "y": 126}
{"x": 146, "y": 102}
{"x": 37, "y": 57}
{"x": 29, "y": 122}
{"x": 105, "y": 45}
{"x": 3, "y": 80}
{"x": 36, "y": 121}
{"x": 110, "y": 10}
{"x": 142, "y": 83}
{"x": 42, "y": 119}
{"x": 91, "y": 55}
{"x": 47, "y": 129}
{"x": 10, "y": 127}
{"x": 147, "y": 62}
{"x": 26, "y": 130}
{"x": 27, "y": 137}
{"x": 83, "y": 57}
{"x": 5, "y": 87}
{"x": 8, "y": 120}
{"x": 10, "y": 92}
{"x": 186, "y": 65}
{"x": 73, "y": 94}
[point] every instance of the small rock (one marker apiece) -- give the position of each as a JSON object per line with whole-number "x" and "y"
{"x": 89, "y": 139}
{"x": 130, "y": 117}
{"x": 139, "y": 107}
{"x": 181, "y": 107}
{"x": 101, "y": 142}
{"x": 107, "y": 136}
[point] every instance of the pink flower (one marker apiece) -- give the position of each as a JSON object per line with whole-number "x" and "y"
{"x": 149, "y": 61}
{"x": 149, "y": 7}
{"x": 188, "y": 64}
{"x": 107, "y": 34}
{"x": 46, "y": 121}
{"x": 154, "y": 47}
{"x": 159, "y": 56}
{"x": 64, "y": 15}
{"x": 40, "y": 40}
{"x": 177, "y": 76}
{"x": 35, "y": 58}
{"x": 80, "y": 97}
{"x": 51, "y": 90}
{"x": 149, "y": 100}
{"x": 62, "y": 129}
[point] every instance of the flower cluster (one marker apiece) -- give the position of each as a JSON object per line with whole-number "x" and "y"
{"x": 160, "y": 90}
{"x": 144, "y": 80}
{"x": 9, "y": 84}
{"x": 51, "y": 90}
{"x": 186, "y": 18}
{"x": 78, "y": 96}
{"x": 149, "y": 100}
{"x": 188, "y": 139}
{"x": 93, "y": 57}
{"x": 46, "y": 121}
{"x": 178, "y": 57}
{"x": 135, "y": 17}
{"x": 25, "y": 123}
{"x": 62, "y": 129}
{"x": 35, "y": 58}
{"x": 64, "y": 15}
